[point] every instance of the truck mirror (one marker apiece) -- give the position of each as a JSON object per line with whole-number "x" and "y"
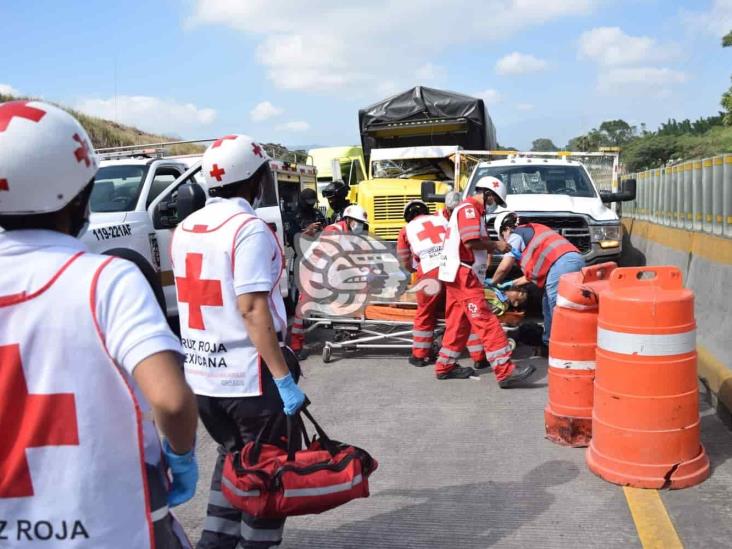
{"x": 191, "y": 198}
{"x": 627, "y": 190}
{"x": 164, "y": 215}
{"x": 428, "y": 192}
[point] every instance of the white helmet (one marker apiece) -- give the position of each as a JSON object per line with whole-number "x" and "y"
{"x": 230, "y": 159}
{"x": 500, "y": 218}
{"x": 495, "y": 185}
{"x": 354, "y": 211}
{"x": 46, "y": 158}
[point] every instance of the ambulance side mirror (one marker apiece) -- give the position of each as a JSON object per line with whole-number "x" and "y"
{"x": 191, "y": 198}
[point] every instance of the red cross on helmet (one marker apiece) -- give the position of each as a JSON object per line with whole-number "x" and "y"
{"x": 231, "y": 159}
{"x": 46, "y": 158}
{"x": 495, "y": 185}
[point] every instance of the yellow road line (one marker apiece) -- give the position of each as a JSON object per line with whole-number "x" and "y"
{"x": 654, "y": 526}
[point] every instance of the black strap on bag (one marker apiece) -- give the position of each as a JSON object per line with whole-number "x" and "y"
{"x": 296, "y": 430}
{"x": 271, "y": 425}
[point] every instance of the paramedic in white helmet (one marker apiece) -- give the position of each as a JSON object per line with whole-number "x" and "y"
{"x": 354, "y": 221}
{"x": 463, "y": 269}
{"x": 227, "y": 264}
{"x": 87, "y": 360}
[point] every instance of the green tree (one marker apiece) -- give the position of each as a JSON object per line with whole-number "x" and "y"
{"x": 727, "y": 40}
{"x": 543, "y": 144}
{"x": 616, "y": 132}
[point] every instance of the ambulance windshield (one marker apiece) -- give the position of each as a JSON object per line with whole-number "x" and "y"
{"x": 533, "y": 179}
{"x": 117, "y": 188}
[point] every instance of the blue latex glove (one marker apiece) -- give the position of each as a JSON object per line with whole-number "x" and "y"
{"x": 488, "y": 283}
{"x": 505, "y": 285}
{"x": 184, "y": 469}
{"x": 500, "y": 295}
{"x": 291, "y": 395}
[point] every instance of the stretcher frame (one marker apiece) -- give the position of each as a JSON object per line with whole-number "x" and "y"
{"x": 368, "y": 336}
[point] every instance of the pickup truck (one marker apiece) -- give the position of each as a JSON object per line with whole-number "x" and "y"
{"x": 134, "y": 212}
{"x": 560, "y": 193}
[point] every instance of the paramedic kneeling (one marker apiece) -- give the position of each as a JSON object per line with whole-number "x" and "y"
{"x": 227, "y": 264}
{"x": 463, "y": 268}
{"x": 86, "y": 360}
{"x": 544, "y": 257}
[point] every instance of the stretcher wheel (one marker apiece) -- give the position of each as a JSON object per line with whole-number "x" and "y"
{"x": 327, "y": 354}
{"x": 512, "y": 344}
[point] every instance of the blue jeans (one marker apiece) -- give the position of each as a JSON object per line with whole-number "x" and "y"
{"x": 568, "y": 263}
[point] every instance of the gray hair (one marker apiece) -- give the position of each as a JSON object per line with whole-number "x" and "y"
{"x": 452, "y": 199}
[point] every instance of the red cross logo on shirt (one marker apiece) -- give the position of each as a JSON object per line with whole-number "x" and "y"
{"x": 256, "y": 149}
{"x": 19, "y": 109}
{"x": 434, "y": 233}
{"x": 218, "y": 142}
{"x": 28, "y": 421}
{"x": 217, "y": 172}
{"x": 82, "y": 153}
{"x": 197, "y": 292}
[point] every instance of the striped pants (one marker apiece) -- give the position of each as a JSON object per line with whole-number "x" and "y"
{"x": 466, "y": 311}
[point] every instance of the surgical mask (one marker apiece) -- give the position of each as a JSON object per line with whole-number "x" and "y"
{"x": 356, "y": 227}
{"x": 490, "y": 208}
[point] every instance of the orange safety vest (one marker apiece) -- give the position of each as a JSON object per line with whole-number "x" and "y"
{"x": 542, "y": 251}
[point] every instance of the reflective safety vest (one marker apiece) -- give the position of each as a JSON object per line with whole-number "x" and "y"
{"x": 337, "y": 227}
{"x": 426, "y": 237}
{"x": 75, "y": 451}
{"x": 542, "y": 251}
{"x": 221, "y": 360}
{"x": 450, "y": 258}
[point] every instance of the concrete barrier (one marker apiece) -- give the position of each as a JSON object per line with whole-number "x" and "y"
{"x": 706, "y": 262}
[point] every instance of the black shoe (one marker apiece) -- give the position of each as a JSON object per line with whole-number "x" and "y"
{"x": 481, "y": 366}
{"x": 542, "y": 351}
{"x": 519, "y": 374}
{"x": 458, "y": 372}
{"x": 302, "y": 354}
{"x": 418, "y": 362}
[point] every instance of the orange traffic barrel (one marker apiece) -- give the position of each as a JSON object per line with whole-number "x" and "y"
{"x": 572, "y": 346}
{"x": 645, "y": 421}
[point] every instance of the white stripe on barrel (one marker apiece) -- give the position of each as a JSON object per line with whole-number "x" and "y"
{"x": 565, "y": 364}
{"x": 568, "y": 304}
{"x": 646, "y": 344}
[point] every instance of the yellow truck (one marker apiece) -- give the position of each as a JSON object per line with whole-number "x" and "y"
{"x": 412, "y": 138}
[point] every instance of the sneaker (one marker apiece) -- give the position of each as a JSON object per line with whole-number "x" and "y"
{"x": 418, "y": 362}
{"x": 458, "y": 372}
{"x": 302, "y": 354}
{"x": 519, "y": 374}
{"x": 483, "y": 365}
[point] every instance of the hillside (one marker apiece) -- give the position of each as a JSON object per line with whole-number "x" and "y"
{"x": 105, "y": 133}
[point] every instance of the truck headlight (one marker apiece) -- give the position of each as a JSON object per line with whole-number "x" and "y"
{"x": 608, "y": 236}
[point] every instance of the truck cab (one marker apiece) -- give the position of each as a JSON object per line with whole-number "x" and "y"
{"x": 559, "y": 192}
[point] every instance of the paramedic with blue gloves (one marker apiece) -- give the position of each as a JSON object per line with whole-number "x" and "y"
{"x": 87, "y": 359}
{"x": 544, "y": 256}
{"x": 227, "y": 264}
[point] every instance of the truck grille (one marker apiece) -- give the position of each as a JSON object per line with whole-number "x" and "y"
{"x": 573, "y": 228}
{"x": 391, "y": 208}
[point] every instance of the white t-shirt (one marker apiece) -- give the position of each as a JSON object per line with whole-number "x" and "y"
{"x": 128, "y": 313}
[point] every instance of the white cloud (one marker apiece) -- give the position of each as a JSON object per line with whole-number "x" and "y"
{"x": 519, "y": 63}
{"x": 429, "y": 73}
{"x": 151, "y": 114}
{"x": 489, "y": 96}
{"x": 295, "y": 126}
{"x": 7, "y": 89}
{"x": 264, "y": 111}
{"x": 332, "y": 46}
{"x": 639, "y": 80}
{"x": 524, "y": 107}
{"x": 610, "y": 46}
{"x": 716, "y": 21}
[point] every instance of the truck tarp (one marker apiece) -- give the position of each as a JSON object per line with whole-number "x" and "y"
{"x": 426, "y": 116}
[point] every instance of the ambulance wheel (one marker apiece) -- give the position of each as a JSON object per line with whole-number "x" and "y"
{"x": 152, "y": 277}
{"x": 327, "y": 353}
{"x": 512, "y": 344}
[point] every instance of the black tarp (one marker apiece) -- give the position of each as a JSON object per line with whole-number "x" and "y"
{"x": 426, "y": 104}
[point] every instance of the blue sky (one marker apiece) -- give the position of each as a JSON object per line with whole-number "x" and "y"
{"x": 296, "y": 72}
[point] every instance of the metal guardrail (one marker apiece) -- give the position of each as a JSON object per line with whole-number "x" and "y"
{"x": 695, "y": 195}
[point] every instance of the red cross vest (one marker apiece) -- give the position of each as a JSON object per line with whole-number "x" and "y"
{"x": 426, "y": 236}
{"x": 544, "y": 248}
{"x": 450, "y": 259}
{"x": 72, "y": 435}
{"x": 221, "y": 360}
